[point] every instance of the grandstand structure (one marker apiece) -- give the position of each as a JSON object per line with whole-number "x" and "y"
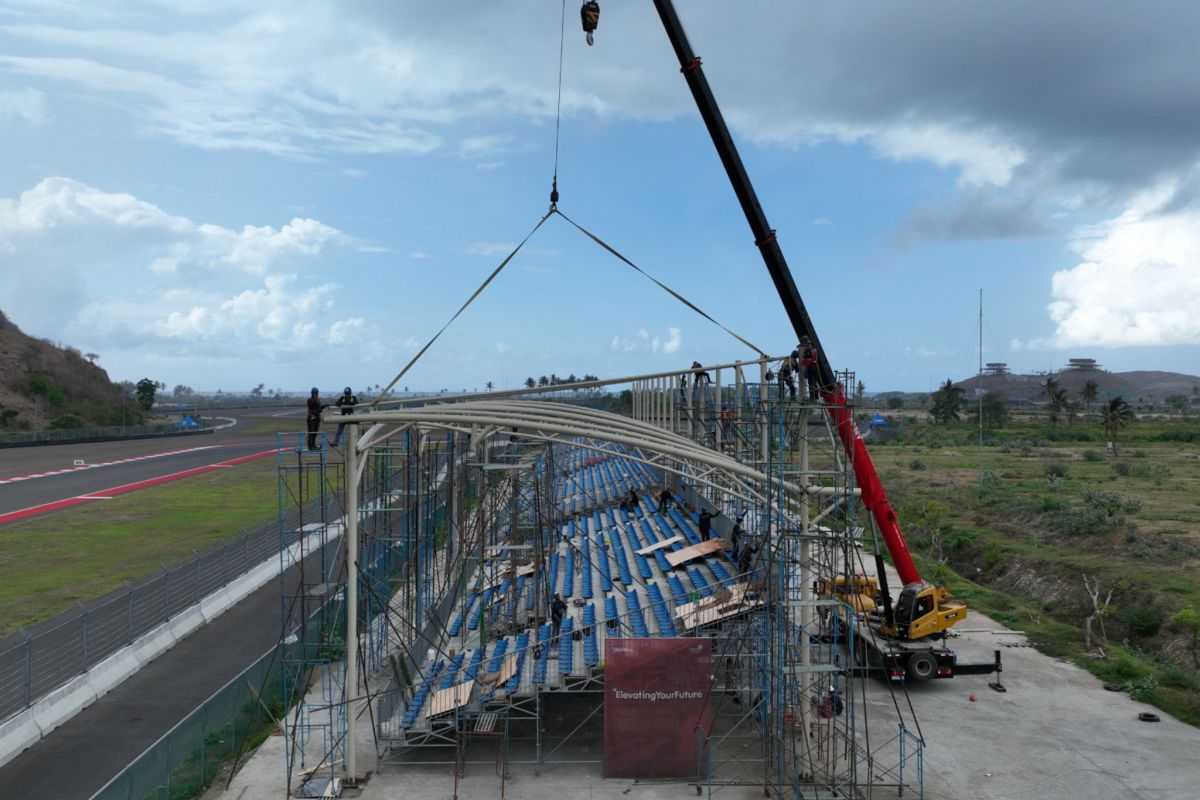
{"x": 465, "y": 517}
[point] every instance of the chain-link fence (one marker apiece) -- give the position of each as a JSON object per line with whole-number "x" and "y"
{"x": 37, "y": 660}
{"x": 229, "y": 723}
{"x": 80, "y": 435}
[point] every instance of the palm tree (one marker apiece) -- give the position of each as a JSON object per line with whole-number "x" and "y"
{"x": 1056, "y": 400}
{"x": 489, "y": 385}
{"x": 947, "y": 402}
{"x": 1088, "y": 393}
{"x": 1116, "y": 415}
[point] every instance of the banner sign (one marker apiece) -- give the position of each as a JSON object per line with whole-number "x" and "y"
{"x": 656, "y": 695}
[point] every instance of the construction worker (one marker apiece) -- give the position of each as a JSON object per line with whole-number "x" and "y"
{"x": 313, "y": 420}
{"x": 787, "y": 375}
{"x": 346, "y": 403}
{"x": 808, "y": 360}
{"x": 706, "y": 518}
{"x": 557, "y": 609}
{"x": 664, "y": 500}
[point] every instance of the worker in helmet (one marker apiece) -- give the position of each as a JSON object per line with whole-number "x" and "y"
{"x": 346, "y": 403}
{"x": 315, "y": 407}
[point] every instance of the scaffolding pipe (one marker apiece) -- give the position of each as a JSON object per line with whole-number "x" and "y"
{"x": 352, "y": 699}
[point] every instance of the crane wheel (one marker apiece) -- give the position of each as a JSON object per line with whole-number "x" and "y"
{"x": 1146, "y": 716}
{"x": 922, "y": 667}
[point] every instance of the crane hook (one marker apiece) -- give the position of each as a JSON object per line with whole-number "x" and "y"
{"x": 589, "y": 14}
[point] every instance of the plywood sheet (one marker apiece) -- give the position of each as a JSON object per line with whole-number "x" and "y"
{"x": 645, "y": 551}
{"x": 695, "y": 551}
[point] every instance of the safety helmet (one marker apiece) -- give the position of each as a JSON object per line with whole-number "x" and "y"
{"x": 346, "y": 390}
{"x": 315, "y": 390}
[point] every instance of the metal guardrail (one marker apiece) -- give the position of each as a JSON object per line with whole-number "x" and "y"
{"x": 38, "y": 660}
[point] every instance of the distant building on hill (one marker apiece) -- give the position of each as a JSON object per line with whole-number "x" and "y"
{"x": 1082, "y": 364}
{"x": 995, "y": 368}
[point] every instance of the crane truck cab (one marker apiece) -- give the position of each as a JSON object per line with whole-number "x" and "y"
{"x": 923, "y": 609}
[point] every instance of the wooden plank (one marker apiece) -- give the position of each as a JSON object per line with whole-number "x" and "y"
{"x": 446, "y": 700}
{"x": 722, "y": 604}
{"x": 645, "y": 551}
{"x": 695, "y": 551}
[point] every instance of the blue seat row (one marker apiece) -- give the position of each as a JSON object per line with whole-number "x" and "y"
{"x": 585, "y": 577}
{"x": 566, "y": 653}
{"x": 677, "y": 590}
{"x": 456, "y": 626}
{"x": 601, "y": 550}
{"x": 539, "y": 669}
{"x": 484, "y": 600}
{"x": 666, "y": 621}
{"x": 450, "y": 673}
{"x": 591, "y": 648}
{"x": 568, "y": 569}
{"x": 637, "y": 622}
{"x": 522, "y": 646}
{"x": 420, "y": 696}
{"x": 476, "y": 660}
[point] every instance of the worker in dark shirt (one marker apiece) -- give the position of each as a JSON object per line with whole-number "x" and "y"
{"x": 736, "y": 536}
{"x": 706, "y": 518}
{"x": 664, "y": 500}
{"x": 346, "y": 403}
{"x": 808, "y": 361}
{"x": 315, "y": 407}
{"x": 557, "y": 609}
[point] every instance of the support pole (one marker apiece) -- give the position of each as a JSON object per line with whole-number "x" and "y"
{"x": 351, "y": 601}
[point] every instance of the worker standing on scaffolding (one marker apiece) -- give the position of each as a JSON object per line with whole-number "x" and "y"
{"x": 787, "y": 375}
{"x": 346, "y": 403}
{"x": 808, "y": 359}
{"x": 315, "y": 407}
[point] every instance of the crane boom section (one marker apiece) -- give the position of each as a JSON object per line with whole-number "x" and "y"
{"x": 873, "y": 495}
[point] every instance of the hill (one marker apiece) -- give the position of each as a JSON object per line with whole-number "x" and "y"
{"x": 1138, "y": 387}
{"x": 45, "y": 385}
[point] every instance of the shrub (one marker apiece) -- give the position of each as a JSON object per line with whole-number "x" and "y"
{"x": 916, "y": 465}
{"x": 1142, "y": 620}
{"x": 1055, "y": 469}
{"x": 1093, "y": 456}
{"x": 1145, "y": 689}
{"x": 1112, "y": 503}
{"x": 66, "y": 421}
{"x": 1122, "y": 469}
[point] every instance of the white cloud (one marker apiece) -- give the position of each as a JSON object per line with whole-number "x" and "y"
{"x": 1138, "y": 282}
{"x": 644, "y": 341}
{"x": 110, "y": 269}
{"x": 502, "y": 348}
{"x": 27, "y": 104}
{"x": 476, "y": 147}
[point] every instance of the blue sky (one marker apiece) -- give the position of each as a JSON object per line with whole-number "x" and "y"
{"x": 220, "y": 194}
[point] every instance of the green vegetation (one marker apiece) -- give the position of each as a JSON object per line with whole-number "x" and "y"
{"x": 80, "y": 553}
{"x": 1054, "y": 519}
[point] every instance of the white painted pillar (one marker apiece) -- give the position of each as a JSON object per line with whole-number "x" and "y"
{"x": 352, "y": 701}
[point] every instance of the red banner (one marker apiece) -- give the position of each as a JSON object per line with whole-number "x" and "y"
{"x": 656, "y": 696}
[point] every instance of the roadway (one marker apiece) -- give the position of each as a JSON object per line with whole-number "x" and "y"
{"x": 78, "y": 758}
{"x": 38, "y": 480}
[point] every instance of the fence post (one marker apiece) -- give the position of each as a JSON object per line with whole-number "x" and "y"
{"x": 83, "y": 636}
{"x": 129, "y": 609}
{"x": 28, "y": 666}
{"x": 166, "y": 592}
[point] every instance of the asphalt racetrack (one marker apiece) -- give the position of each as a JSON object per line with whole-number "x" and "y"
{"x": 40, "y": 480}
{"x": 81, "y": 756}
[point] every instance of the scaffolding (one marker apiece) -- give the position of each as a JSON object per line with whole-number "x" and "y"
{"x": 471, "y": 513}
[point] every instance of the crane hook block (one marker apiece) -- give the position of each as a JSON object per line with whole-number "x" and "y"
{"x": 589, "y": 14}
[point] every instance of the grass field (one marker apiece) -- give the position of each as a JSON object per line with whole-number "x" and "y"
{"x": 1053, "y": 506}
{"x": 80, "y": 553}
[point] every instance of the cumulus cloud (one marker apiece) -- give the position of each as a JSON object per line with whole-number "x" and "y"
{"x": 502, "y": 348}
{"x": 644, "y": 342}
{"x": 196, "y": 287}
{"x": 1138, "y": 281}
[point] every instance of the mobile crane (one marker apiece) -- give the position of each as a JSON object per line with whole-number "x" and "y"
{"x": 922, "y": 612}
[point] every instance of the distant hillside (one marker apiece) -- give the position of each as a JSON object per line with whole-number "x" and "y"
{"x": 42, "y": 384}
{"x": 1138, "y": 387}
